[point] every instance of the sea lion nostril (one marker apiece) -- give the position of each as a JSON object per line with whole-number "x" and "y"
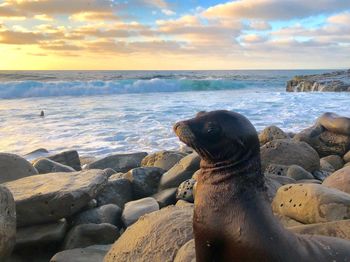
{"x": 176, "y": 126}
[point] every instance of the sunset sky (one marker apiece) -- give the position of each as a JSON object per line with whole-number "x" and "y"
{"x": 188, "y": 34}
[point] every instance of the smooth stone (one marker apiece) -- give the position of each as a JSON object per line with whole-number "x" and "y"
{"x": 90, "y": 234}
{"x": 117, "y": 191}
{"x": 288, "y": 152}
{"x": 276, "y": 170}
{"x": 68, "y": 158}
{"x": 7, "y": 223}
{"x": 340, "y": 228}
{"x": 94, "y": 253}
{"x": 311, "y": 203}
{"x": 287, "y": 221}
{"x": 49, "y": 197}
{"x": 339, "y": 180}
{"x": 45, "y": 165}
{"x": 310, "y": 181}
{"x": 133, "y": 210}
{"x": 321, "y": 174}
{"x": 155, "y": 237}
{"x": 273, "y": 183}
{"x": 109, "y": 172}
{"x": 110, "y": 214}
{"x": 118, "y": 162}
{"x": 346, "y": 157}
{"x": 144, "y": 180}
{"x": 183, "y": 203}
{"x": 271, "y": 133}
{"x": 182, "y": 171}
{"x": 326, "y": 166}
{"x": 185, "y": 190}
{"x": 323, "y": 141}
{"x": 298, "y": 173}
{"x": 41, "y": 234}
{"x": 163, "y": 159}
{"x": 186, "y": 253}
{"x": 166, "y": 197}
{"x": 335, "y": 123}
{"x": 85, "y": 160}
{"x": 13, "y": 167}
{"x": 37, "y": 153}
{"x": 336, "y": 161}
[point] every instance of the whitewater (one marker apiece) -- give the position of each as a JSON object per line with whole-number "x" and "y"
{"x": 103, "y": 112}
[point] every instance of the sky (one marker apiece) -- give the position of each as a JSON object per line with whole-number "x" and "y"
{"x": 174, "y": 35}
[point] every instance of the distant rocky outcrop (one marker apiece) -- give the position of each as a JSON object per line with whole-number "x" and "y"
{"x": 338, "y": 81}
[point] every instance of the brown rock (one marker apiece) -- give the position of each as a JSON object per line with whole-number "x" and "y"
{"x": 94, "y": 253}
{"x": 45, "y": 165}
{"x": 163, "y": 159}
{"x": 346, "y": 157}
{"x": 271, "y": 133}
{"x": 335, "y": 160}
{"x": 339, "y": 180}
{"x": 186, "y": 253}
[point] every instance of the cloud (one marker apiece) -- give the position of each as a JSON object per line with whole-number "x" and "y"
{"x": 157, "y": 3}
{"x": 20, "y": 38}
{"x": 168, "y": 12}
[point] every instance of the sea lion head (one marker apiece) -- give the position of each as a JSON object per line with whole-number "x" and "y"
{"x": 219, "y": 136}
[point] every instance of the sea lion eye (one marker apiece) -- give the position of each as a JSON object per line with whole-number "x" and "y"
{"x": 212, "y": 129}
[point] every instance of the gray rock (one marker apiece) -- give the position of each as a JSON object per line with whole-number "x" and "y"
{"x": 326, "y": 166}
{"x": 47, "y": 198}
{"x": 135, "y": 209}
{"x": 321, "y": 174}
{"x": 186, "y": 253}
{"x": 14, "y": 167}
{"x": 310, "y": 181}
{"x": 85, "y": 160}
{"x": 94, "y": 253}
{"x": 276, "y": 170}
{"x": 41, "y": 234}
{"x": 117, "y": 191}
{"x": 166, "y": 197}
{"x": 7, "y": 223}
{"x": 338, "y": 81}
{"x": 181, "y": 171}
{"x": 156, "y": 237}
{"x": 110, "y": 214}
{"x": 163, "y": 159}
{"x": 298, "y": 173}
{"x": 118, "y": 162}
{"x": 144, "y": 180}
{"x": 109, "y": 172}
{"x": 273, "y": 183}
{"x": 90, "y": 234}
{"x": 45, "y": 165}
{"x": 68, "y": 158}
{"x": 271, "y": 133}
{"x": 288, "y": 152}
{"x": 38, "y": 153}
{"x": 335, "y": 160}
{"x": 185, "y": 190}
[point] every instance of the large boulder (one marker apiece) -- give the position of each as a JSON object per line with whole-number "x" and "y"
{"x": 133, "y": 210}
{"x": 45, "y": 165}
{"x": 118, "y": 162}
{"x": 186, "y": 253}
{"x": 298, "y": 173}
{"x": 7, "y": 223}
{"x": 144, "y": 180}
{"x": 273, "y": 183}
{"x": 339, "y": 180}
{"x": 94, "y": 253}
{"x": 90, "y": 234}
{"x": 271, "y": 133}
{"x": 37, "y": 153}
{"x": 47, "y": 198}
{"x": 163, "y": 159}
{"x": 182, "y": 171}
{"x": 346, "y": 157}
{"x": 155, "y": 237}
{"x": 166, "y": 197}
{"x": 117, "y": 191}
{"x": 336, "y": 161}
{"x": 67, "y": 158}
{"x": 311, "y": 203}
{"x": 14, "y": 167}
{"x": 288, "y": 152}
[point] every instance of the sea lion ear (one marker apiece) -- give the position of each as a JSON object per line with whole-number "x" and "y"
{"x": 200, "y": 113}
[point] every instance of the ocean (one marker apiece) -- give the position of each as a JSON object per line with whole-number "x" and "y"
{"x": 103, "y": 112}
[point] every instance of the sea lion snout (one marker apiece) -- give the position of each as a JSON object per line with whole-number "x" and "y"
{"x": 183, "y": 131}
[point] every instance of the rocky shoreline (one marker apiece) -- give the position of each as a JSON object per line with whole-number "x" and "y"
{"x": 138, "y": 206}
{"x": 338, "y": 81}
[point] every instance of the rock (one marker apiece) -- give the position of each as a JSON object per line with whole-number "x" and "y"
{"x": 325, "y": 166}
{"x": 298, "y": 173}
{"x": 163, "y": 159}
{"x": 309, "y": 181}
{"x": 288, "y": 152}
{"x": 186, "y": 253}
{"x": 335, "y": 123}
{"x": 110, "y": 214}
{"x": 346, "y": 157}
{"x": 155, "y": 237}
{"x": 287, "y": 221}
{"x": 196, "y": 174}
{"x": 109, "y": 172}
{"x": 323, "y": 141}
{"x": 276, "y": 170}
{"x": 339, "y": 180}
{"x": 144, "y": 180}
{"x": 68, "y": 158}
{"x": 90, "y": 234}
{"x": 311, "y": 203}
{"x": 180, "y": 172}
{"x": 14, "y": 167}
{"x": 7, "y": 223}
{"x": 45, "y": 165}
{"x": 271, "y": 133}
{"x": 41, "y": 235}
{"x": 38, "y": 153}
{"x": 85, "y": 160}
{"x": 94, "y": 253}
{"x": 117, "y": 191}
{"x": 166, "y": 197}
{"x": 339, "y": 229}
{"x": 118, "y": 162}
{"x": 133, "y": 210}
{"x": 273, "y": 183}
{"x": 338, "y": 81}
{"x": 185, "y": 190}
{"x": 335, "y": 160}
{"x": 321, "y": 174}
{"x": 47, "y": 198}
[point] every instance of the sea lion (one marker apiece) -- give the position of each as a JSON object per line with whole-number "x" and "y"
{"x": 233, "y": 220}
